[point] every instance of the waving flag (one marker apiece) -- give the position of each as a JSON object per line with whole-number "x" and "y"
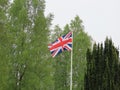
{"x": 61, "y": 44}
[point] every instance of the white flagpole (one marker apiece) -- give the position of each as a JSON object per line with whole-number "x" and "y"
{"x": 71, "y": 64}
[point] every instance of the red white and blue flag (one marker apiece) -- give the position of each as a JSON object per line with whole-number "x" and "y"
{"x": 61, "y": 44}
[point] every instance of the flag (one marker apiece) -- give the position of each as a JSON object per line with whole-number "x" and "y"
{"x": 61, "y": 44}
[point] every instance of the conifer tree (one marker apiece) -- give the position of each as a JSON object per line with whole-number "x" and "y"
{"x": 102, "y": 72}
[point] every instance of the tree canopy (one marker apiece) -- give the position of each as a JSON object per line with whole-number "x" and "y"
{"x": 103, "y": 67}
{"x": 25, "y": 60}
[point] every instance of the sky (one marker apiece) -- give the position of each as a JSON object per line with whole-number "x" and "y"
{"x": 101, "y": 18}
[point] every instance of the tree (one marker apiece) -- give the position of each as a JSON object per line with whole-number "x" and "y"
{"x": 60, "y": 64}
{"x": 4, "y": 47}
{"x": 81, "y": 41}
{"x": 27, "y": 29}
{"x": 102, "y": 67}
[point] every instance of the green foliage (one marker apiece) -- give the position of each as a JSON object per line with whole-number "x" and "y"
{"x": 102, "y": 67}
{"x": 23, "y": 51}
{"x": 25, "y": 62}
{"x": 61, "y": 66}
{"x": 81, "y": 41}
{"x": 4, "y": 47}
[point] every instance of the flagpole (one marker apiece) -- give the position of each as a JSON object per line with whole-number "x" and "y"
{"x": 71, "y": 64}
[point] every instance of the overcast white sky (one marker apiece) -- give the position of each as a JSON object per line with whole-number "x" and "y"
{"x": 101, "y": 18}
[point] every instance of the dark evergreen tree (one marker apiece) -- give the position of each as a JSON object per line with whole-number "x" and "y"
{"x": 102, "y": 67}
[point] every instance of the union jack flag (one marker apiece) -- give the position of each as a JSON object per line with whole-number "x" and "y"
{"x": 61, "y": 44}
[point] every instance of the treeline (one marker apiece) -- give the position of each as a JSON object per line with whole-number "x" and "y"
{"x": 25, "y": 61}
{"x": 103, "y": 67}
